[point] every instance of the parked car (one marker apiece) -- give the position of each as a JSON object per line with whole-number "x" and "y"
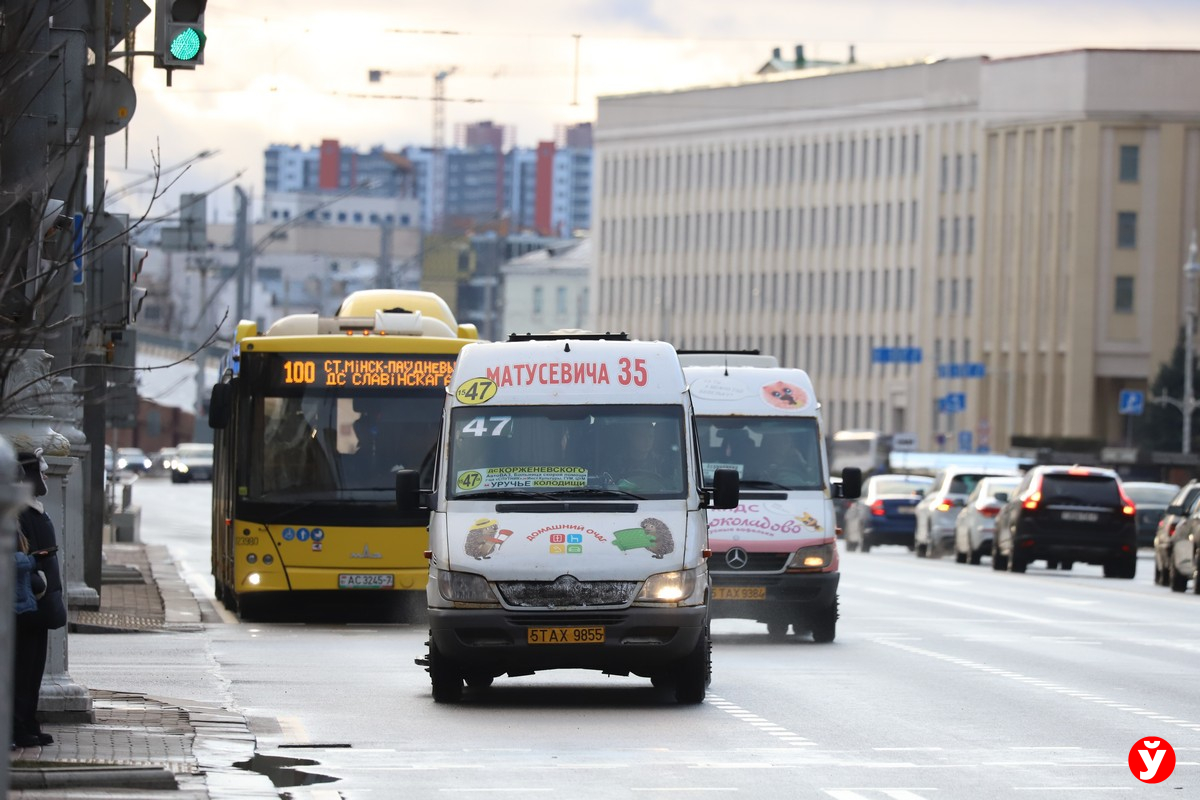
{"x": 938, "y": 509}
{"x": 1180, "y": 508}
{"x": 883, "y": 514}
{"x": 193, "y": 462}
{"x": 1151, "y": 499}
{"x": 976, "y": 523}
{"x": 1066, "y": 514}
{"x": 133, "y": 459}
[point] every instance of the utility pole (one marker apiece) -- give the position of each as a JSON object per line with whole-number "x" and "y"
{"x": 1187, "y": 405}
{"x": 1190, "y": 268}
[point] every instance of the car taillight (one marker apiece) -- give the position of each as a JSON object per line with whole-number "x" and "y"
{"x": 1032, "y": 501}
{"x": 989, "y": 511}
{"x": 945, "y": 505}
{"x": 1171, "y": 529}
{"x": 877, "y": 508}
{"x": 1127, "y": 506}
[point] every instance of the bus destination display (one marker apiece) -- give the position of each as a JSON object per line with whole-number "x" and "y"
{"x": 373, "y": 371}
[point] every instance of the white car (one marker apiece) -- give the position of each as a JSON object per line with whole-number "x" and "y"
{"x": 975, "y": 526}
{"x": 938, "y": 509}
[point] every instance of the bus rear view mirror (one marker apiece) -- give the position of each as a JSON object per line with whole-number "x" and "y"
{"x": 851, "y": 483}
{"x": 408, "y": 491}
{"x": 726, "y": 487}
{"x": 219, "y": 403}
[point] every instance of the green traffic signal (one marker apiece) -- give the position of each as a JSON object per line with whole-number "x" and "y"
{"x": 186, "y": 44}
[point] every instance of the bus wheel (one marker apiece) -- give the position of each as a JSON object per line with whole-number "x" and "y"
{"x": 694, "y": 672}
{"x": 447, "y": 680}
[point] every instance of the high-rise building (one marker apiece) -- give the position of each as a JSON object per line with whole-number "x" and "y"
{"x": 971, "y": 250}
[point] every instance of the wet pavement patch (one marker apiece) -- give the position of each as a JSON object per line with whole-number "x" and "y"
{"x": 282, "y": 770}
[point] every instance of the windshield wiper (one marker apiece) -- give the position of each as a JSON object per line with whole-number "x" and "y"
{"x": 505, "y": 494}
{"x": 763, "y": 485}
{"x": 595, "y": 492}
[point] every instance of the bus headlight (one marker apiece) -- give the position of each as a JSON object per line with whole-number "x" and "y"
{"x": 464, "y": 587}
{"x": 668, "y": 587}
{"x": 813, "y": 558}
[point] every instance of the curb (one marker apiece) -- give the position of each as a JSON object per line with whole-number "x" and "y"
{"x": 90, "y": 776}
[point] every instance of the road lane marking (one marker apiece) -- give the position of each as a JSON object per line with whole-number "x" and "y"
{"x": 1016, "y": 676}
{"x": 772, "y": 728}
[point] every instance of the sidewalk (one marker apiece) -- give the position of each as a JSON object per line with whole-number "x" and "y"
{"x": 151, "y": 746}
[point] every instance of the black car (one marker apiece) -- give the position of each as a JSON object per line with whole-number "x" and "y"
{"x": 1066, "y": 514}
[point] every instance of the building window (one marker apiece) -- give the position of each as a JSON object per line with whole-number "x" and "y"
{"x": 1130, "y": 154}
{"x": 1123, "y": 295}
{"x": 537, "y": 300}
{"x": 1126, "y": 230}
{"x": 560, "y": 300}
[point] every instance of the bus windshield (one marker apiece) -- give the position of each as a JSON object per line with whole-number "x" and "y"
{"x": 767, "y": 452}
{"x": 563, "y": 450}
{"x": 338, "y": 444}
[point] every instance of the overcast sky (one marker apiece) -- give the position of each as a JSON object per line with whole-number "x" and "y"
{"x": 285, "y": 71}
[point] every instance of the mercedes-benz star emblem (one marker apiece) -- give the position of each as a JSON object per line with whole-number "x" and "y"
{"x": 736, "y": 558}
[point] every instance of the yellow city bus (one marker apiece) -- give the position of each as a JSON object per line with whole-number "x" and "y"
{"x": 312, "y": 419}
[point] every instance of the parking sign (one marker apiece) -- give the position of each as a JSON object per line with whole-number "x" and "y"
{"x": 1132, "y": 402}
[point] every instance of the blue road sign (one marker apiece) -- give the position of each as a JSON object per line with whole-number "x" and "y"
{"x": 896, "y": 355}
{"x": 968, "y": 369}
{"x": 965, "y": 443}
{"x": 1132, "y": 402}
{"x": 952, "y": 403}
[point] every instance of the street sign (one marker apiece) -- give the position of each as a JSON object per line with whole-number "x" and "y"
{"x": 970, "y": 369}
{"x": 1132, "y": 402}
{"x": 965, "y": 444}
{"x": 952, "y": 403}
{"x": 904, "y": 442}
{"x": 896, "y": 355}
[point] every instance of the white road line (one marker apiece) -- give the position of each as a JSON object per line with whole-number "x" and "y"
{"x": 768, "y": 727}
{"x": 1016, "y": 676}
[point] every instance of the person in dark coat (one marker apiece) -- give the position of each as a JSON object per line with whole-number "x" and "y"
{"x": 33, "y": 628}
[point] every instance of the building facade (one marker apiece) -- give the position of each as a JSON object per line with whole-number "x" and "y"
{"x": 957, "y": 249}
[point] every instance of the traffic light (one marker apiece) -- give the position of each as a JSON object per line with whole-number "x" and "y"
{"x": 135, "y": 257}
{"x": 179, "y": 33}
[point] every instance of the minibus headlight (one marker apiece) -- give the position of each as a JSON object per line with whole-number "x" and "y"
{"x": 813, "y": 558}
{"x": 464, "y": 587}
{"x": 668, "y": 587}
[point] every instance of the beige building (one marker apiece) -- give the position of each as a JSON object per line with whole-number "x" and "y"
{"x": 1018, "y": 225}
{"x": 547, "y": 289}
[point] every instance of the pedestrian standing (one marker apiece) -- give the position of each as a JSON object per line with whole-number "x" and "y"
{"x": 33, "y": 628}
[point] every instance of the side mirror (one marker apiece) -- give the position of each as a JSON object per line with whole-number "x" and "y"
{"x": 1002, "y": 497}
{"x": 851, "y": 482}
{"x": 726, "y": 488}
{"x": 408, "y": 491}
{"x": 220, "y": 403}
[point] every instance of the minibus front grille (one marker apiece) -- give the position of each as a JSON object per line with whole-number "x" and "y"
{"x": 567, "y": 592}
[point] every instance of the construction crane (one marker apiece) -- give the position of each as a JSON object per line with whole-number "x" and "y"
{"x": 437, "y": 159}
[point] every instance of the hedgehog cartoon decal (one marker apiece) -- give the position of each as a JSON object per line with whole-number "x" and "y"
{"x": 485, "y": 538}
{"x": 654, "y": 535}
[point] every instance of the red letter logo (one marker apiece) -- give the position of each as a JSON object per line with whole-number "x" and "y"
{"x": 1151, "y": 760}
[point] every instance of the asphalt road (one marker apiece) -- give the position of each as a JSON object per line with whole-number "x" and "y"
{"x": 945, "y": 681}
